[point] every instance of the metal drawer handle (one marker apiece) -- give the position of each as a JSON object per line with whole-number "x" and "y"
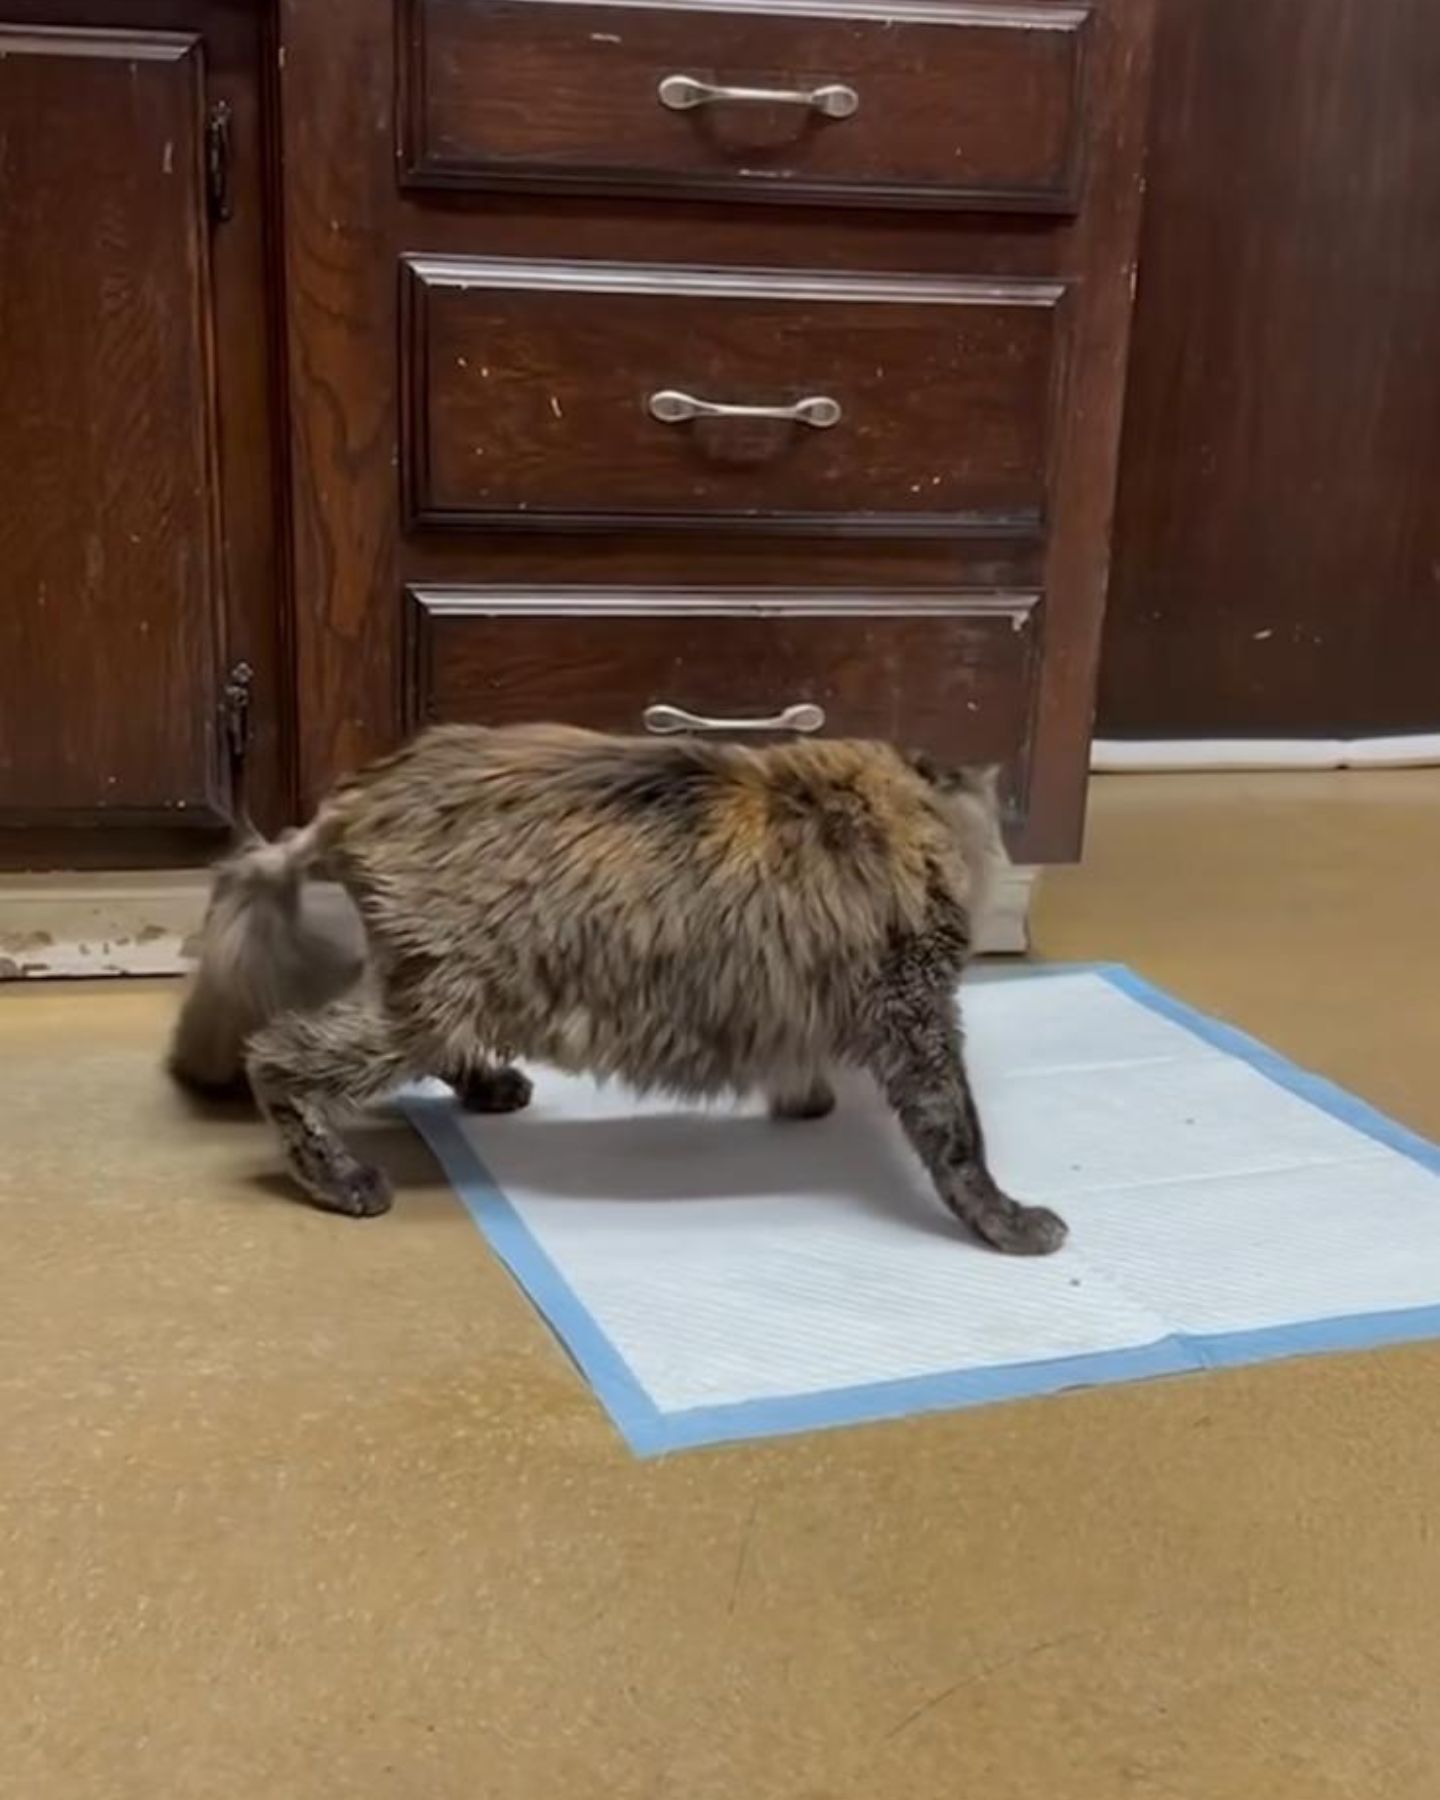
{"x": 682, "y": 92}
{"x": 671, "y": 407}
{"x": 665, "y": 720}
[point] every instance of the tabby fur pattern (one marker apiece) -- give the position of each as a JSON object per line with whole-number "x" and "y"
{"x": 686, "y": 915}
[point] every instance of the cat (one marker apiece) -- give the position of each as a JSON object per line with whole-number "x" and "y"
{"x": 688, "y": 915}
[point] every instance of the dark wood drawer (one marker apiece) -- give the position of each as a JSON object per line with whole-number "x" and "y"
{"x": 919, "y": 102}
{"x": 951, "y": 673}
{"x": 531, "y": 398}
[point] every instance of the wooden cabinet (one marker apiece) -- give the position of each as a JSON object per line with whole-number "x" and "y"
{"x": 138, "y": 566}
{"x": 760, "y": 359}
{"x": 1277, "y": 555}
{"x": 734, "y": 358}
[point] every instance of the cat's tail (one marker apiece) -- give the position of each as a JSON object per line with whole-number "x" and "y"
{"x": 273, "y": 941}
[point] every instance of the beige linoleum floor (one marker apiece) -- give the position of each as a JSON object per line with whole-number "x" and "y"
{"x": 292, "y": 1508}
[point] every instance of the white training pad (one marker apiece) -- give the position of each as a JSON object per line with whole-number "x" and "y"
{"x": 719, "y": 1275}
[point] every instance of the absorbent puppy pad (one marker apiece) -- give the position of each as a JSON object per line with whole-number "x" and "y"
{"x": 718, "y": 1275}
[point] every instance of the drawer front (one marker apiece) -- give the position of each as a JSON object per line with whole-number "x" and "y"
{"x": 948, "y": 673}
{"x": 533, "y": 402}
{"x": 922, "y": 102}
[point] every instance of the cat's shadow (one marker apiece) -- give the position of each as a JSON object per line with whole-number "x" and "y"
{"x": 855, "y": 1158}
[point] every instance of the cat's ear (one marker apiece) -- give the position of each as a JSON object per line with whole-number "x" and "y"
{"x": 982, "y": 780}
{"x": 937, "y": 774}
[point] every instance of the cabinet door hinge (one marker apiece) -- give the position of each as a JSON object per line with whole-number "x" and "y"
{"x": 235, "y": 713}
{"x": 217, "y": 161}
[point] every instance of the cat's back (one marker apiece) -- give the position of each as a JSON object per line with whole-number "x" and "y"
{"x": 575, "y": 813}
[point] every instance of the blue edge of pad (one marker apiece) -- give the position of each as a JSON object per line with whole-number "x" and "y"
{"x": 651, "y": 1432}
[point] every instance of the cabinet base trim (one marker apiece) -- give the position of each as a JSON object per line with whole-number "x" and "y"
{"x": 59, "y": 927}
{"x": 1175, "y": 756}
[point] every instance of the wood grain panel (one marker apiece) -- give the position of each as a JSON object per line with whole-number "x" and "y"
{"x": 1277, "y": 554}
{"x": 109, "y": 587}
{"x": 950, "y": 673}
{"x": 237, "y": 47}
{"x": 959, "y": 104}
{"x": 529, "y": 385}
{"x": 668, "y": 559}
{"x": 348, "y": 225}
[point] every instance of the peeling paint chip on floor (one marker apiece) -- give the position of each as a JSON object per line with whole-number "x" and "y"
{"x": 717, "y": 1276}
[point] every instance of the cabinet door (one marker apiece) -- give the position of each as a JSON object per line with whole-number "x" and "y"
{"x": 113, "y": 649}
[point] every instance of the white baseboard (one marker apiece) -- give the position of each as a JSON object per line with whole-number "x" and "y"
{"x": 1111, "y": 756}
{"x": 58, "y": 926}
